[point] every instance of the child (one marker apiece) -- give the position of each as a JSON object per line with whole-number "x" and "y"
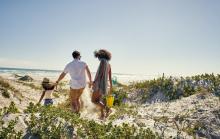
{"x": 47, "y": 93}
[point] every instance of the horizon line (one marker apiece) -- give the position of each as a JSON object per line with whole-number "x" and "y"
{"x": 53, "y": 70}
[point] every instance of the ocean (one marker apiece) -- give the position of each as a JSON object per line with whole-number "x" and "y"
{"x": 39, "y": 74}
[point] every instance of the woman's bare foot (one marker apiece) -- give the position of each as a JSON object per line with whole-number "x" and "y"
{"x": 102, "y": 117}
{"x": 108, "y": 112}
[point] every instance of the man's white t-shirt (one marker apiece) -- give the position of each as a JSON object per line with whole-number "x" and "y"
{"x": 76, "y": 69}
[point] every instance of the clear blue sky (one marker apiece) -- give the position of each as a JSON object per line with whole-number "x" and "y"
{"x": 144, "y": 36}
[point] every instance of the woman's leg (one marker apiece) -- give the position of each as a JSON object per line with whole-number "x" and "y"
{"x": 96, "y": 98}
{"x": 108, "y": 110}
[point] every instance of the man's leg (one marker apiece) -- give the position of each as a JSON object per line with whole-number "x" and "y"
{"x": 73, "y": 98}
{"x": 79, "y": 93}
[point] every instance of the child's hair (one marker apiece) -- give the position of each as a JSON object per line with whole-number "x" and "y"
{"x": 102, "y": 53}
{"x": 47, "y": 85}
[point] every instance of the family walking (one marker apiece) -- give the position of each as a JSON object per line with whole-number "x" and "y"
{"x": 77, "y": 70}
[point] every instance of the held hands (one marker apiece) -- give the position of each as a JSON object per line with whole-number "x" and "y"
{"x": 56, "y": 84}
{"x": 90, "y": 84}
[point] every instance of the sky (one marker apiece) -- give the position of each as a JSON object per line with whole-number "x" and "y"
{"x": 175, "y": 37}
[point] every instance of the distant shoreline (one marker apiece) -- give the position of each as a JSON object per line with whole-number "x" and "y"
{"x": 30, "y": 69}
{"x": 48, "y": 70}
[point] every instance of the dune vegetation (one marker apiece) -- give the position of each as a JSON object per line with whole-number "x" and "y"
{"x": 166, "y": 107}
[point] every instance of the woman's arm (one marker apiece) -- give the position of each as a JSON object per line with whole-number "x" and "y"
{"x": 110, "y": 78}
{"x": 42, "y": 96}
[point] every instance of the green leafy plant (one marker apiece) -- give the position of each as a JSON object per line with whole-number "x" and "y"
{"x": 120, "y": 96}
{"x": 5, "y": 93}
{"x": 11, "y": 109}
{"x": 55, "y": 122}
{"x": 5, "y": 85}
{"x": 56, "y": 95}
{"x": 31, "y": 85}
{"x": 7, "y": 130}
{"x": 175, "y": 88}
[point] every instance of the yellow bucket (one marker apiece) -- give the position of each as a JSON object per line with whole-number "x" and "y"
{"x": 110, "y": 101}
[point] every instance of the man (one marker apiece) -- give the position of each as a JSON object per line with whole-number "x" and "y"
{"x": 76, "y": 70}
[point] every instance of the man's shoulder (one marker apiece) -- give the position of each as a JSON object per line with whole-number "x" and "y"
{"x": 74, "y": 63}
{"x": 82, "y": 62}
{"x": 69, "y": 63}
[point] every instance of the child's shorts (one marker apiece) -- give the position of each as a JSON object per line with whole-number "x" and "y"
{"x": 48, "y": 102}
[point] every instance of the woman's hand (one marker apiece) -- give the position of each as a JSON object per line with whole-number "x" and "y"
{"x": 110, "y": 91}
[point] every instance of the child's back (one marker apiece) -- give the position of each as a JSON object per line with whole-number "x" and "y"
{"x": 47, "y": 93}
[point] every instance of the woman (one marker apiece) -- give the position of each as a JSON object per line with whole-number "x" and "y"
{"x": 100, "y": 84}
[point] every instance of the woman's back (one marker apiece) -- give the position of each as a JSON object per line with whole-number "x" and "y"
{"x": 101, "y": 78}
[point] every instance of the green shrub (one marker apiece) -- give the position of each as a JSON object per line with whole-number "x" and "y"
{"x": 11, "y": 109}
{"x": 5, "y": 93}
{"x": 120, "y": 96}
{"x": 56, "y": 95}
{"x": 123, "y": 110}
{"x": 31, "y": 85}
{"x": 54, "y": 122}
{"x": 174, "y": 88}
{"x": 7, "y": 131}
{"x": 5, "y": 85}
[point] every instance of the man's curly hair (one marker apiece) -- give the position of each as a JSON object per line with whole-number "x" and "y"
{"x": 102, "y": 53}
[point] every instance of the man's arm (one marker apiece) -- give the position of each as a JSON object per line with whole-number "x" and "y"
{"x": 89, "y": 75}
{"x": 62, "y": 75}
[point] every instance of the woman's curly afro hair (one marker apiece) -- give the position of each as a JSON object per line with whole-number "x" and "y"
{"x": 102, "y": 53}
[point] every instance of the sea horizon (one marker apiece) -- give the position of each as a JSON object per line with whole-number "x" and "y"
{"x": 55, "y": 70}
{"x": 53, "y": 74}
